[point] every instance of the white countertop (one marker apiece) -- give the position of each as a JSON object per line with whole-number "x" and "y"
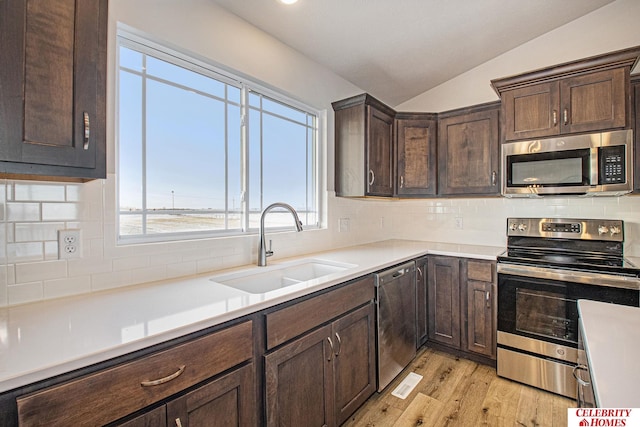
{"x": 612, "y": 343}
{"x": 41, "y": 340}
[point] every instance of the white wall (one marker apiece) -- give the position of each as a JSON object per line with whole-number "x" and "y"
{"x": 612, "y": 27}
{"x": 32, "y": 211}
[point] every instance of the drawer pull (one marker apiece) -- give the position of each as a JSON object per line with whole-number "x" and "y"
{"x": 165, "y": 379}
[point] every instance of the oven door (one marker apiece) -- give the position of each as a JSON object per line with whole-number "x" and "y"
{"x": 538, "y": 321}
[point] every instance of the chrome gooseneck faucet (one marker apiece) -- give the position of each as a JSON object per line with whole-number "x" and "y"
{"x": 263, "y": 253}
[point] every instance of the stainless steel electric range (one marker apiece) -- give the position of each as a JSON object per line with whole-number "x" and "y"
{"x": 549, "y": 264}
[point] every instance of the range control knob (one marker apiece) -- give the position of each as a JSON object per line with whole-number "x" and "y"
{"x": 614, "y": 229}
{"x": 513, "y": 226}
{"x": 522, "y": 227}
{"x": 603, "y": 229}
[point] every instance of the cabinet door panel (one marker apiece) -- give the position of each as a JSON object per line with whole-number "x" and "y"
{"x": 153, "y": 418}
{"x": 226, "y": 402}
{"x": 52, "y": 123}
{"x": 416, "y": 154}
{"x": 531, "y": 111}
{"x": 299, "y": 382}
{"x": 480, "y": 335}
{"x": 444, "y": 300}
{"x": 595, "y": 101}
{"x": 468, "y": 153}
{"x": 380, "y": 154}
{"x": 354, "y": 366}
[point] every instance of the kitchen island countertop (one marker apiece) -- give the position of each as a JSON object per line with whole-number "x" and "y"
{"x": 48, "y": 338}
{"x": 612, "y": 343}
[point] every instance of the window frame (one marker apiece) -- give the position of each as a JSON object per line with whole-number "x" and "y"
{"x": 133, "y": 39}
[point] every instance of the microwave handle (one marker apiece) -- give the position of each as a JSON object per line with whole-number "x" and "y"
{"x": 594, "y": 166}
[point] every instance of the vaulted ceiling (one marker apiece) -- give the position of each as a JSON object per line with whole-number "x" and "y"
{"x": 398, "y": 49}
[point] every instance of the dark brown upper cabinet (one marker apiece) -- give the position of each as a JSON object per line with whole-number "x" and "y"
{"x": 52, "y": 89}
{"x": 364, "y": 130}
{"x": 416, "y": 154}
{"x": 468, "y": 151}
{"x": 588, "y": 95}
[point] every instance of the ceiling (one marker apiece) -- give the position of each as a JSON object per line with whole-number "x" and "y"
{"x": 398, "y": 49}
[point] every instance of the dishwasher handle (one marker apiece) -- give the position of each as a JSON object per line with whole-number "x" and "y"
{"x": 395, "y": 273}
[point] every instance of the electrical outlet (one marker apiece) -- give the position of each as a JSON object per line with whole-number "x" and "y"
{"x": 69, "y": 243}
{"x": 344, "y": 225}
{"x": 458, "y": 221}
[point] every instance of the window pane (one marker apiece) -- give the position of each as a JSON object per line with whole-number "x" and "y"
{"x": 185, "y": 149}
{"x": 130, "y": 59}
{"x": 282, "y": 110}
{"x": 130, "y": 142}
{"x": 184, "y": 77}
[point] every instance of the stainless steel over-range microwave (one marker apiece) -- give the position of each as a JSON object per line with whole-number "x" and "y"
{"x": 598, "y": 164}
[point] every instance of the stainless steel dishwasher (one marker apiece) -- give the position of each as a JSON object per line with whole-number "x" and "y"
{"x": 396, "y": 321}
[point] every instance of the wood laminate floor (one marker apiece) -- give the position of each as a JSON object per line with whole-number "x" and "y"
{"x": 460, "y": 393}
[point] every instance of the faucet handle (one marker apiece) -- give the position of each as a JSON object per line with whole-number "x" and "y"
{"x": 269, "y": 252}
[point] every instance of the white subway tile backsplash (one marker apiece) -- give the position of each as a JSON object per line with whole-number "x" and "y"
{"x": 37, "y": 231}
{"x": 68, "y": 286}
{"x": 39, "y": 192}
{"x": 60, "y": 211}
{"x": 110, "y": 280}
{"x": 23, "y": 211}
{"x": 88, "y": 265}
{"x": 25, "y": 292}
{"x": 25, "y": 252}
{"x": 73, "y": 192}
{"x": 130, "y": 263}
{"x": 31, "y": 272}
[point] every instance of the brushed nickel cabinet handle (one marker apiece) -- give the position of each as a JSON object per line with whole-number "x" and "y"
{"x": 178, "y": 422}
{"x": 488, "y": 299}
{"x": 494, "y": 178}
{"x": 419, "y": 270}
{"x": 331, "y": 352}
{"x": 339, "y": 344}
{"x": 372, "y": 177}
{"x": 401, "y": 181}
{"x": 565, "y": 115}
{"x": 166, "y": 379}
{"x": 87, "y": 130}
{"x": 555, "y": 117}
{"x": 577, "y": 377}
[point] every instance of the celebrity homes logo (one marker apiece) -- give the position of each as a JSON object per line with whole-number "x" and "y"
{"x": 603, "y": 417}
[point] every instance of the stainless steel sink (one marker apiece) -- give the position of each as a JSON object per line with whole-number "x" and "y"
{"x": 260, "y": 280}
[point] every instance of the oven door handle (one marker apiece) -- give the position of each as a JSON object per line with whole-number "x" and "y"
{"x": 572, "y": 276}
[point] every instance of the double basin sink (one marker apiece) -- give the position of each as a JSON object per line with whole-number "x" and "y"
{"x": 261, "y": 280}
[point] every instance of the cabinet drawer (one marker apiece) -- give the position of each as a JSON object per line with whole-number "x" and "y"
{"x": 288, "y": 323}
{"x": 110, "y": 394}
{"x": 479, "y": 270}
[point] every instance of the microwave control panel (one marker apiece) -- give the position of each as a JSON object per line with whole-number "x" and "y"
{"x": 612, "y": 165}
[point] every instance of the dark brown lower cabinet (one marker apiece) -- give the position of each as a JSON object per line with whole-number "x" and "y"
{"x": 225, "y": 402}
{"x": 321, "y": 378}
{"x": 462, "y": 305}
{"x": 422, "y": 320}
{"x": 444, "y": 300}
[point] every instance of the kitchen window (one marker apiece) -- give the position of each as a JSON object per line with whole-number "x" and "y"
{"x": 201, "y": 152}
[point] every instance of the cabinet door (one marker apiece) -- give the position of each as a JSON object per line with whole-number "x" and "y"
{"x": 595, "y": 101}
{"x": 299, "y": 382}
{"x": 416, "y": 154}
{"x": 468, "y": 154}
{"x": 379, "y": 153}
{"x": 226, "y": 402}
{"x": 444, "y": 300}
{"x": 154, "y": 418}
{"x": 354, "y": 364}
{"x": 53, "y": 95}
{"x": 531, "y": 111}
{"x": 480, "y": 335}
{"x": 422, "y": 330}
